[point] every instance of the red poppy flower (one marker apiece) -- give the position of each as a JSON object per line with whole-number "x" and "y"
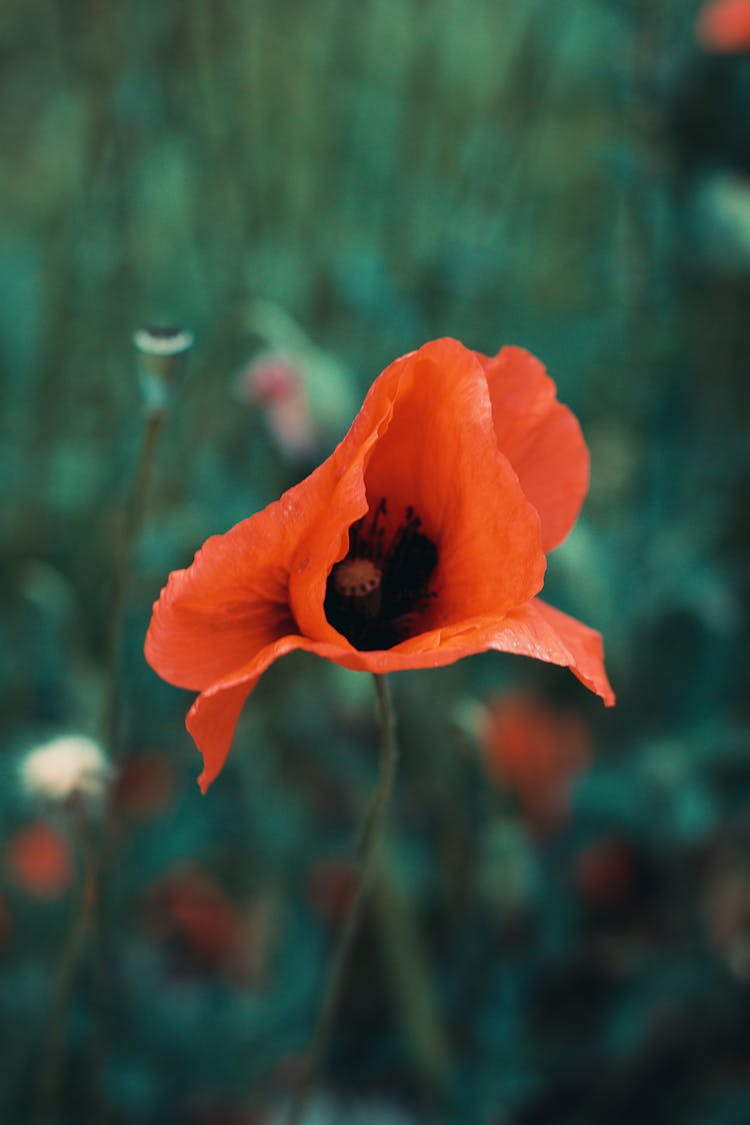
{"x": 537, "y": 751}
{"x": 41, "y": 861}
{"x": 144, "y": 785}
{"x": 419, "y": 541}
{"x": 724, "y": 26}
{"x": 199, "y": 918}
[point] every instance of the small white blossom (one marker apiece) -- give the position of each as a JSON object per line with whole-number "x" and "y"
{"x": 65, "y": 768}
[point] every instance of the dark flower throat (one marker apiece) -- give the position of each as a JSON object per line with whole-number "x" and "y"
{"x": 374, "y": 591}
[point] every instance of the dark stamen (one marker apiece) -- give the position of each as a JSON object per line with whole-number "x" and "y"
{"x": 374, "y": 593}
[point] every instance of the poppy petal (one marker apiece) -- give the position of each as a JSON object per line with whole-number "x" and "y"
{"x": 213, "y": 717}
{"x": 535, "y": 630}
{"x": 343, "y": 500}
{"x": 233, "y": 601}
{"x": 212, "y": 721}
{"x": 540, "y": 437}
{"x": 544, "y": 633}
{"x": 439, "y": 456}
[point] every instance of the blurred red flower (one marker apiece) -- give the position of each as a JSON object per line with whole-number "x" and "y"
{"x": 39, "y": 860}
{"x": 275, "y": 383}
{"x": 536, "y": 751}
{"x": 198, "y": 919}
{"x": 206, "y": 931}
{"x": 269, "y": 378}
{"x": 144, "y": 785}
{"x": 724, "y": 26}
{"x": 419, "y": 541}
{"x": 605, "y": 872}
{"x": 330, "y": 887}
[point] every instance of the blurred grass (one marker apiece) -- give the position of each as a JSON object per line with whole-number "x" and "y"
{"x": 512, "y": 171}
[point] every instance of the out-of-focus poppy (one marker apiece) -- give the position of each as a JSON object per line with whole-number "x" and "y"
{"x": 197, "y": 919}
{"x": 40, "y": 860}
{"x": 269, "y": 378}
{"x": 260, "y": 927}
{"x": 144, "y": 785}
{"x": 419, "y": 541}
{"x": 606, "y": 873}
{"x": 331, "y": 886}
{"x": 724, "y": 26}
{"x": 274, "y": 383}
{"x": 536, "y": 751}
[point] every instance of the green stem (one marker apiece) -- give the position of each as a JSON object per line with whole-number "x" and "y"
{"x": 370, "y": 839}
{"x": 49, "y": 1078}
{"x": 133, "y": 519}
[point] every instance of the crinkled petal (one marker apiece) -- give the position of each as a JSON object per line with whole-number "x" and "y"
{"x": 535, "y": 630}
{"x": 544, "y": 633}
{"x": 541, "y": 438}
{"x": 439, "y": 456}
{"x": 233, "y": 601}
{"x": 344, "y": 502}
{"x": 212, "y": 721}
{"x": 213, "y": 717}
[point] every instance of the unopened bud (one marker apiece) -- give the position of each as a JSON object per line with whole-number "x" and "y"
{"x": 162, "y": 356}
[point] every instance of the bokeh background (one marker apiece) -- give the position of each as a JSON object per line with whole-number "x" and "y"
{"x": 561, "y": 930}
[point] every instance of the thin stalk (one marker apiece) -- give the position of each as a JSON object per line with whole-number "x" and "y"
{"x": 371, "y": 837}
{"x": 409, "y": 977}
{"x": 133, "y": 520}
{"x": 52, "y": 1058}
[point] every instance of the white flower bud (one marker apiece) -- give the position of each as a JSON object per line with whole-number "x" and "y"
{"x": 65, "y": 769}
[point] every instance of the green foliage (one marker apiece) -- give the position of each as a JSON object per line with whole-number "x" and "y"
{"x": 336, "y": 183}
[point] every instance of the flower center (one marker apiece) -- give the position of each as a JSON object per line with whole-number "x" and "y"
{"x": 374, "y": 593}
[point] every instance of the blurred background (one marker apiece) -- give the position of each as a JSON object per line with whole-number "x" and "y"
{"x": 560, "y": 934}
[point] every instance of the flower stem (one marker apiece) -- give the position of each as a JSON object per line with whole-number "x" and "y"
{"x": 133, "y": 520}
{"x": 49, "y": 1079}
{"x": 371, "y": 836}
